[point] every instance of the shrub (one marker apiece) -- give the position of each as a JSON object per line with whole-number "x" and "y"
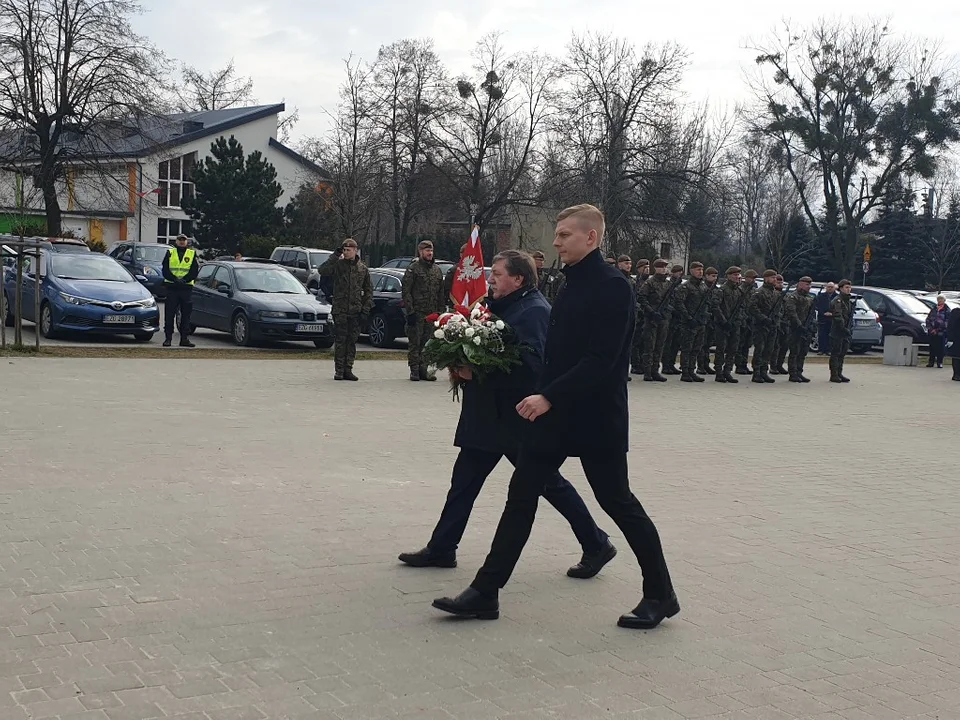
{"x": 257, "y": 246}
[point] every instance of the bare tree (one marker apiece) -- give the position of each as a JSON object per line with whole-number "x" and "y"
{"x": 485, "y": 146}
{"x": 75, "y": 80}
{"x": 214, "y": 90}
{"x": 860, "y": 106}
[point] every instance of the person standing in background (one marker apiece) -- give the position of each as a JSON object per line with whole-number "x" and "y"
{"x": 180, "y": 269}
{"x": 824, "y": 298}
{"x": 352, "y": 303}
{"x": 937, "y": 322}
{"x": 841, "y": 315}
{"x": 422, "y": 296}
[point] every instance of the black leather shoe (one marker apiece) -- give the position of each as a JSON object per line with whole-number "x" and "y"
{"x": 836, "y": 379}
{"x": 795, "y": 378}
{"x": 781, "y": 370}
{"x": 686, "y": 377}
{"x": 590, "y": 565}
{"x": 348, "y": 375}
{"x": 338, "y": 376}
{"x": 470, "y": 604}
{"x": 168, "y": 342}
{"x": 650, "y": 613}
{"x": 428, "y": 558}
{"x": 648, "y": 377}
{"x": 186, "y": 343}
{"x": 774, "y": 371}
{"x": 766, "y": 377}
{"x": 697, "y": 378}
{"x": 757, "y": 379}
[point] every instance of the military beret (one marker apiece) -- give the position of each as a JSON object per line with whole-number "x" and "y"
{"x": 750, "y": 274}
{"x": 424, "y": 244}
{"x": 695, "y": 264}
{"x": 779, "y": 276}
{"x": 676, "y": 268}
{"x": 769, "y": 273}
{"x": 643, "y": 262}
{"x": 660, "y": 263}
{"x": 844, "y": 282}
{"x": 712, "y": 271}
{"x": 624, "y": 258}
{"x": 537, "y": 255}
{"x": 806, "y": 278}
{"x": 733, "y": 270}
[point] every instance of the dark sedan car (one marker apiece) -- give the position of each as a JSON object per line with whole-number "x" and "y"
{"x": 900, "y": 312}
{"x": 258, "y": 302}
{"x": 144, "y": 259}
{"x": 387, "y": 321}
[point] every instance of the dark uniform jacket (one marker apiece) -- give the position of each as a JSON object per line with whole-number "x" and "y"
{"x": 352, "y": 288}
{"x": 953, "y": 333}
{"x": 652, "y": 298}
{"x": 586, "y": 363}
{"x": 798, "y": 308}
{"x": 731, "y": 305}
{"x": 763, "y": 305}
{"x": 488, "y": 410}
{"x": 423, "y": 289}
{"x": 841, "y": 310}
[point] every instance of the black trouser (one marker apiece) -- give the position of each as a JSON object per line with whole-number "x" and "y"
{"x": 607, "y": 475}
{"x": 936, "y": 350}
{"x": 823, "y": 341}
{"x": 956, "y": 368}
{"x": 179, "y": 297}
{"x": 471, "y": 470}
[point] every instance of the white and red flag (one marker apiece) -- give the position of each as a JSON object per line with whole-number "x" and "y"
{"x": 470, "y": 280}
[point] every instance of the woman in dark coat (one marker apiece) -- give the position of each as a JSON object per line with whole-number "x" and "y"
{"x": 953, "y": 341}
{"x": 937, "y": 330}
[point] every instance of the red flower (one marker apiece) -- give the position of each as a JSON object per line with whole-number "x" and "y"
{"x": 432, "y": 318}
{"x": 463, "y": 310}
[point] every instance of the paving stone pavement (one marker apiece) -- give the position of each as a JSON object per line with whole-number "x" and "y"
{"x": 216, "y": 540}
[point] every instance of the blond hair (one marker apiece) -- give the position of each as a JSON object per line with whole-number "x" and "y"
{"x": 590, "y": 217}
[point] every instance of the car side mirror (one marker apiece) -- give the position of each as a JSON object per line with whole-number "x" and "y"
{"x": 141, "y": 279}
{"x": 223, "y": 288}
{"x": 302, "y": 264}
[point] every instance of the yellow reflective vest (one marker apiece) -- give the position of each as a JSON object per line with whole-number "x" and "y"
{"x": 180, "y": 267}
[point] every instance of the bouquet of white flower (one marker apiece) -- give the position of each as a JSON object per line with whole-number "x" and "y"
{"x": 472, "y": 340}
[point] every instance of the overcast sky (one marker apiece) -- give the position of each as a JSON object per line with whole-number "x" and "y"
{"x": 294, "y": 50}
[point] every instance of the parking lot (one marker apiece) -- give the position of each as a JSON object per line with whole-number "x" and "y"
{"x": 217, "y": 540}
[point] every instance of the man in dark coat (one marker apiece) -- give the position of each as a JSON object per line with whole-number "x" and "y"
{"x": 824, "y": 298}
{"x": 580, "y": 411}
{"x": 953, "y": 341}
{"x": 490, "y": 427}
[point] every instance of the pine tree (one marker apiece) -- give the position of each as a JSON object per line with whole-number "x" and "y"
{"x": 897, "y": 253}
{"x": 235, "y": 197}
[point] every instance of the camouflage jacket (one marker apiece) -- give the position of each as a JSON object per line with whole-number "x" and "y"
{"x": 652, "y": 297}
{"x": 713, "y": 316}
{"x": 841, "y": 320}
{"x": 352, "y": 289}
{"x": 799, "y": 312}
{"x": 550, "y": 282}
{"x": 423, "y": 289}
{"x": 732, "y": 305}
{"x": 762, "y": 306}
{"x": 693, "y": 302}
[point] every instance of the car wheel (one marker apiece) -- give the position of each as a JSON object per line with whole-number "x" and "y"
{"x": 143, "y": 336}
{"x": 6, "y": 311}
{"x": 323, "y": 343}
{"x": 240, "y": 329}
{"x": 47, "y": 328}
{"x": 815, "y": 344}
{"x": 379, "y": 332}
{"x": 859, "y": 349}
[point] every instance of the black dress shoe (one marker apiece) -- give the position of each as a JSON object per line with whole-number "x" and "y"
{"x": 186, "y": 343}
{"x": 590, "y": 565}
{"x": 167, "y": 343}
{"x": 429, "y": 558}
{"x": 470, "y": 604}
{"x": 649, "y": 613}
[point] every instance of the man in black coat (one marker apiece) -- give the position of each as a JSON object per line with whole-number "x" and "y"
{"x": 490, "y": 427}
{"x": 824, "y": 298}
{"x": 580, "y": 411}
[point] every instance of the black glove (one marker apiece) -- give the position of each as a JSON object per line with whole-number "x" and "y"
{"x": 411, "y": 320}
{"x": 338, "y": 252}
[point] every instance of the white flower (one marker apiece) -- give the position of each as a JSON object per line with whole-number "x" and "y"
{"x": 469, "y": 332}
{"x": 438, "y": 334}
{"x": 436, "y": 323}
{"x": 476, "y": 312}
{"x": 499, "y": 325}
{"x": 477, "y": 341}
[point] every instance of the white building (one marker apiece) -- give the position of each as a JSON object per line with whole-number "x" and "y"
{"x": 132, "y": 190}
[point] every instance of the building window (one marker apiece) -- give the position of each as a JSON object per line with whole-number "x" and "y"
{"x": 167, "y": 230}
{"x": 176, "y": 180}
{"x": 665, "y": 251}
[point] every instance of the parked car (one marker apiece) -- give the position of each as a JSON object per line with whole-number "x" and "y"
{"x": 402, "y": 263}
{"x": 53, "y": 244}
{"x": 867, "y": 329}
{"x": 300, "y": 261}
{"x": 900, "y": 312}
{"x": 387, "y": 320}
{"x": 931, "y": 302}
{"x": 83, "y": 292}
{"x": 947, "y": 294}
{"x": 144, "y": 259}
{"x": 258, "y": 302}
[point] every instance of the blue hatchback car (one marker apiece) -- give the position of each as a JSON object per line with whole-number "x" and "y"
{"x": 83, "y": 292}
{"x": 144, "y": 259}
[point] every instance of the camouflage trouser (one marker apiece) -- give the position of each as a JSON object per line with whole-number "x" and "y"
{"x": 636, "y": 348}
{"x": 728, "y": 343}
{"x": 763, "y": 338}
{"x": 346, "y": 330}
{"x": 743, "y": 346}
{"x": 654, "y": 337}
{"x": 709, "y": 338}
{"x": 799, "y": 345}
{"x": 671, "y": 346}
{"x": 418, "y": 334}
{"x": 780, "y": 345}
{"x": 839, "y": 346}
{"x": 691, "y": 340}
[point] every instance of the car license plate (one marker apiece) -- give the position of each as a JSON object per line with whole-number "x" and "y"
{"x": 864, "y": 322}
{"x": 118, "y": 319}
{"x": 315, "y": 328}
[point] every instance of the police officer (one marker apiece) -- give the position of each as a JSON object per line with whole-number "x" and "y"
{"x": 422, "y": 296}
{"x": 180, "y": 270}
{"x": 352, "y": 302}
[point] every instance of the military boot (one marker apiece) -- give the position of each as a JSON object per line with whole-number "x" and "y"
{"x": 414, "y": 374}
{"x": 757, "y": 377}
{"x": 766, "y": 376}
{"x": 338, "y": 375}
{"x": 687, "y": 376}
{"x": 658, "y": 377}
{"x": 743, "y": 370}
{"x": 843, "y": 378}
{"x": 781, "y": 370}
{"x": 728, "y": 377}
{"x": 696, "y": 378}
{"x": 424, "y": 375}
{"x": 794, "y": 378}
{"x": 671, "y": 370}
{"x": 648, "y": 377}
{"x": 719, "y": 376}
{"x": 348, "y": 375}
{"x": 834, "y": 370}
{"x": 774, "y": 371}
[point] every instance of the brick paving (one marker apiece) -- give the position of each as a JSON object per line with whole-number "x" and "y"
{"x": 216, "y": 540}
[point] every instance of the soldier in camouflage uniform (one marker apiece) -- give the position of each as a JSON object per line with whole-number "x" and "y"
{"x": 693, "y": 307}
{"x": 802, "y": 320}
{"x": 422, "y": 296}
{"x": 710, "y": 331}
{"x": 655, "y": 298}
{"x": 636, "y": 350}
{"x": 746, "y": 331}
{"x": 675, "y": 333}
{"x": 352, "y": 302}
{"x": 731, "y": 316}
{"x": 763, "y": 308}
{"x": 781, "y": 338}
{"x": 841, "y": 330}
{"x": 549, "y": 279}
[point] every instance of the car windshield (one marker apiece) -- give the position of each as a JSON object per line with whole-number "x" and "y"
{"x": 319, "y": 258}
{"x": 63, "y": 247}
{"x": 152, "y": 253}
{"x": 911, "y": 304}
{"x": 862, "y": 306}
{"x": 268, "y": 280}
{"x": 93, "y": 266}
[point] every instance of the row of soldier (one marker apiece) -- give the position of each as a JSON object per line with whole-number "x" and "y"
{"x": 684, "y": 319}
